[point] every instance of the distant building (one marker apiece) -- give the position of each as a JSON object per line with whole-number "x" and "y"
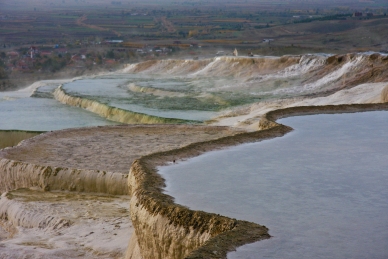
{"x": 357, "y": 14}
{"x": 166, "y": 49}
{"x": 114, "y": 41}
{"x": 268, "y": 40}
{"x": 12, "y": 54}
{"x": 110, "y": 61}
{"x": 45, "y": 53}
{"x": 61, "y": 51}
{"x": 33, "y": 51}
{"x": 76, "y": 57}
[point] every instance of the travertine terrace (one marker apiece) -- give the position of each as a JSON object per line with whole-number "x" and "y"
{"x": 123, "y": 160}
{"x": 93, "y": 160}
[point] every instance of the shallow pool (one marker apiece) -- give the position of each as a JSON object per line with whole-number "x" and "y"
{"x": 322, "y": 190}
{"x": 157, "y": 96}
{"x": 43, "y": 114}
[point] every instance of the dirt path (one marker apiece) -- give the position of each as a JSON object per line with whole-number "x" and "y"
{"x": 167, "y": 24}
{"x": 81, "y": 22}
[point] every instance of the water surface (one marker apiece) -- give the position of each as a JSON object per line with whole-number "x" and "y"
{"x": 322, "y": 189}
{"x": 178, "y": 100}
{"x": 43, "y": 114}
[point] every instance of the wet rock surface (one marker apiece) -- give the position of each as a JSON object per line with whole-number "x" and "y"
{"x": 109, "y": 148}
{"x": 63, "y": 225}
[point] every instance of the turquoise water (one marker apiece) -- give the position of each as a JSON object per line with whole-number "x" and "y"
{"x": 322, "y": 190}
{"x": 36, "y": 109}
{"x": 189, "y": 96}
{"x": 114, "y": 91}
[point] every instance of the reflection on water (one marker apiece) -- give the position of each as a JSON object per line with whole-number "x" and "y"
{"x": 42, "y": 114}
{"x": 12, "y": 138}
{"x": 321, "y": 189}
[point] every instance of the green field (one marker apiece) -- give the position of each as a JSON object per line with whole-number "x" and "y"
{"x": 188, "y": 29}
{"x": 197, "y": 20}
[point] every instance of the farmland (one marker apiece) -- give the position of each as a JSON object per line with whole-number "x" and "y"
{"x": 187, "y": 28}
{"x": 64, "y": 21}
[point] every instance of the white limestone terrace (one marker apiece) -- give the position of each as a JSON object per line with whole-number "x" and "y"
{"x": 53, "y": 225}
{"x": 248, "y": 116}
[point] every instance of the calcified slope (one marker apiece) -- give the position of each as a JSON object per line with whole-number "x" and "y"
{"x": 50, "y": 225}
{"x": 248, "y": 117}
{"x": 225, "y": 82}
{"x": 384, "y": 94}
{"x": 13, "y": 137}
{"x": 278, "y": 76}
{"x": 111, "y": 113}
{"x": 219, "y": 66}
